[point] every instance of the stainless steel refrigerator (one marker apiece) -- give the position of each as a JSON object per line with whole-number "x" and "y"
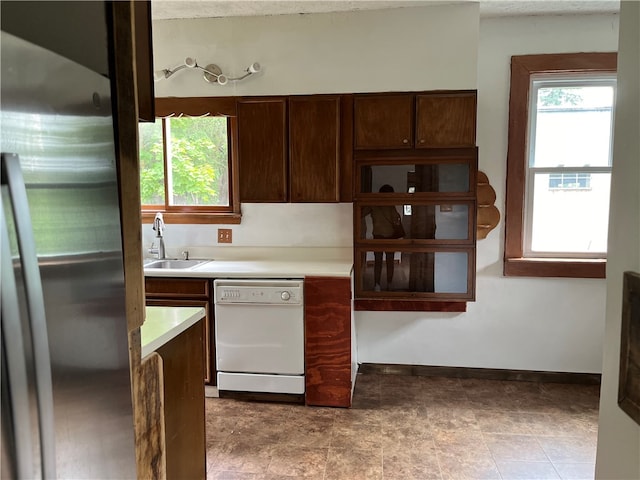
{"x": 66, "y": 392}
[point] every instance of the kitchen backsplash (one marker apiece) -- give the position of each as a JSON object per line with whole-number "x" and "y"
{"x": 268, "y": 225}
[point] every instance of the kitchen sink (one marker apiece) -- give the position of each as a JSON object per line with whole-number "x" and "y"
{"x": 174, "y": 264}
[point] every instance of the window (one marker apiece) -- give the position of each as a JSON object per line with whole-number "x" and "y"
{"x": 186, "y": 167}
{"x": 569, "y": 166}
{"x": 559, "y": 164}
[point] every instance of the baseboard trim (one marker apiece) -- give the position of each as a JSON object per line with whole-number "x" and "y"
{"x": 480, "y": 373}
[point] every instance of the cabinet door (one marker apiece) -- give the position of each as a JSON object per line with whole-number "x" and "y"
{"x": 383, "y": 121}
{"x": 262, "y": 150}
{"x": 392, "y": 270}
{"x": 184, "y": 411}
{"x": 209, "y": 344}
{"x": 446, "y": 120}
{"x": 187, "y": 292}
{"x": 314, "y": 149}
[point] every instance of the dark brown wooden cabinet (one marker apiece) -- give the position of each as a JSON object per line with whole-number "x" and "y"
{"x": 183, "y": 398}
{"x": 289, "y": 149}
{"x": 446, "y": 120}
{"x": 434, "y": 199}
{"x": 415, "y": 120}
{"x": 187, "y": 292}
{"x": 383, "y": 121}
{"x": 300, "y": 148}
{"x": 422, "y": 145}
{"x": 314, "y": 148}
{"x": 262, "y": 149}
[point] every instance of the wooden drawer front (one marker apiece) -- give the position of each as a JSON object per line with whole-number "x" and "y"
{"x": 176, "y": 288}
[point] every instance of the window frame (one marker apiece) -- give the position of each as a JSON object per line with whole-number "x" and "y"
{"x": 523, "y": 67}
{"x": 198, "y": 107}
{"x": 544, "y": 81}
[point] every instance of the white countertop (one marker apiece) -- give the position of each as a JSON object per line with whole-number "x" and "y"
{"x": 262, "y": 262}
{"x": 258, "y": 269}
{"x": 162, "y": 324}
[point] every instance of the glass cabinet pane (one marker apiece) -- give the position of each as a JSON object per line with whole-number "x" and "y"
{"x": 419, "y": 221}
{"x": 415, "y": 178}
{"x": 420, "y": 272}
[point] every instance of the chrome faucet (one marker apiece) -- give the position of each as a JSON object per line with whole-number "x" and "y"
{"x": 158, "y": 226}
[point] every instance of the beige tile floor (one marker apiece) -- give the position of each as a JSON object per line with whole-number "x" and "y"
{"x": 404, "y": 428}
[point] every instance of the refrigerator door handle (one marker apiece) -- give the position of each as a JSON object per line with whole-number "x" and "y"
{"x": 12, "y": 177}
{"x": 13, "y": 346}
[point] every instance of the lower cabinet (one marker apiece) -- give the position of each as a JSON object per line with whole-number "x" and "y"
{"x": 330, "y": 363}
{"x": 184, "y": 417}
{"x": 187, "y": 292}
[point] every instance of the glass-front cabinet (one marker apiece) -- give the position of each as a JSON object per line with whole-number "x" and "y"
{"x": 414, "y": 177}
{"x": 434, "y": 221}
{"x": 415, "y": 225}
{"x": 416, "y": 273}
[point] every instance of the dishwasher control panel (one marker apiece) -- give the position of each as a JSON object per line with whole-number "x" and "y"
{"x": 258, "y": 291}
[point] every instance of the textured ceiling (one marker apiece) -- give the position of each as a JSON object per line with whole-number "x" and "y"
{"x": 169, "y": 9}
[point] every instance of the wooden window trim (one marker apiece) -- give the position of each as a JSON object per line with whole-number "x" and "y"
{"x": 199, "y": 106}
{"x": 522, "y": 68}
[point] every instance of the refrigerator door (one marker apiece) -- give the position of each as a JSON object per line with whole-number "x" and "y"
{"x": 34, "y": 323}
{"x": 17, "y": 450}
{"x": 55, "y": 117}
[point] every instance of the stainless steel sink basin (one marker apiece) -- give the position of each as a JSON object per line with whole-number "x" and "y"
{"x": 175, "y": 264}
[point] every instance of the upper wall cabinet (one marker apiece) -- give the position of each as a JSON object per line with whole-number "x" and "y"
{"x": 408, "y": 120}
{"x": 289, "y": 148}
{"x": 415, "y": 165}
{"x": 262, "y": 149}
{"x": 446, "y": 119}
{"x": 314, "y": 148}
{"x": 383, "y": 121}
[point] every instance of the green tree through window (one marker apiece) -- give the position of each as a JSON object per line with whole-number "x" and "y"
{"x": 197, "y": 162}
{"x": 551, "y": 97}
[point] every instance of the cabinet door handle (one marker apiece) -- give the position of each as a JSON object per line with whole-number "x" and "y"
{"x": 422, "y": 140}
{"x": 405, "y": 141}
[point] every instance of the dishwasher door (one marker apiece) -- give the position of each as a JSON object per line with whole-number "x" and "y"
{"x": 259, "y": 330}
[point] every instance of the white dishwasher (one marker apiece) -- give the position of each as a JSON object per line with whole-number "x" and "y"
{"x": 259, "y": 330}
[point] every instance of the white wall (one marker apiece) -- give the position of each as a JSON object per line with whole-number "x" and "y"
{"x": 618, "y": 435}
{"x": 422, "y": 48}
{"x": 516, "y": 323}
{"x": 267, "y": 225}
